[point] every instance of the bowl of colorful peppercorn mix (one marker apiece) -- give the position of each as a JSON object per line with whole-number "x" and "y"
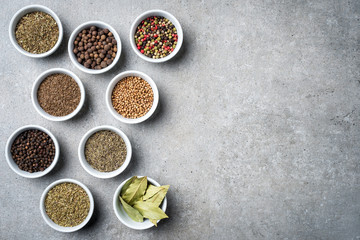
{"x": 32, "y": 151}
{"x": 36, "y": 31}
{"x": 156, "y": 36}
{"x": 58, "y": 94}
{"x": 104, "y": 152}
{"x": 66, "y": 205}
{"x": 132, "y": 97}
{"x": 94, "y": 47}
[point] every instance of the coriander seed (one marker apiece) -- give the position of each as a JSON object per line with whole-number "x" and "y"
{"x": 132, "y": 97}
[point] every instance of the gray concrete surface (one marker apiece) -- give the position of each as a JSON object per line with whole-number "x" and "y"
{"x": 258, "y": 132}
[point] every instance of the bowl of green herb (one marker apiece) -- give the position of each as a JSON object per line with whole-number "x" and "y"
{"x": 36, "y": 31}
{"x": 140, "y": 202}
{"x": 105, "y": 152}
{"x": 66, "y": 205}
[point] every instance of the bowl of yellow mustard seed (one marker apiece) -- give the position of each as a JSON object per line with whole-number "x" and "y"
{"x": 36, "y": 31}
{"x": 67, "y": 205}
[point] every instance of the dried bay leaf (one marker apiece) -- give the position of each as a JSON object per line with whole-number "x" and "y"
{"x": 153, "y": 221}
{"x": 135, "y": 190}
{"x": 159, "y": 196}
{"x": 132, "y": 212}
{"x": 151, "y": 191}
{"x": 150, "y": 210}
{"x": 126, "y": 185}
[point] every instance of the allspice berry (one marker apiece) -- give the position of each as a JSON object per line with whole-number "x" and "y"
{"x": 95, "y": 48}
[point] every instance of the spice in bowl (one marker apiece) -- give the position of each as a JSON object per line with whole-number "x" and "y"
{"x": 140, "y": 199}
{"x": 132, "y": 97}
{"x": 67, "y": 204}
{"x": 95, "y": 48}
{"x": 105, "y": 151}
{"x": 33, "y": 151}
{"x": 58, "y": 94}
{"x": 37, "y": 32}
{"x": 156, "y": 37}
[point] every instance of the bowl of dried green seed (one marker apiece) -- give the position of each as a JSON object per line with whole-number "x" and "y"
{"x": 66, "y": 205}
{"x": 32, "y": 151}
{"x": 132, "y": 97}
{"x": 58, "y": 94}
{"x": 156, "y": 36}
{"x": 36, "y": 31}
{"x": 104, "y": 152}
{"x": 94, "y": 47}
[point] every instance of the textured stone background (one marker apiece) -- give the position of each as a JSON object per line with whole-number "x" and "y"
{"x": 258, "y": 131}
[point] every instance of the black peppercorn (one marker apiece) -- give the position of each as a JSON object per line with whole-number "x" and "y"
{"x": 30, "y": 154}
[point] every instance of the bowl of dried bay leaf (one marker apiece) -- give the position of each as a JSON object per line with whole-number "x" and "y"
{"x": 140, "y": 202}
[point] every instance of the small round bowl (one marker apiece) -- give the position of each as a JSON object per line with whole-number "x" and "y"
{"x": 111, "y": 86}
{"x": 85, "y": 26}
{"x": 124, "y": 217}
{"x": 11, "y": 161}
{"x": 151, "y": 13}
{"x": 28, "y": 9}
{"x": 84, "y": 163}
{"x": 35, "y": 88}
{"x": 54, "y": 225}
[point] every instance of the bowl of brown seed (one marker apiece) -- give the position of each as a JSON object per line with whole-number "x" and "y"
{"x": 58, "y": 94}
{"x": 132, "y": 97}
{"x": 32, "y": 151}
{"x": 94, "y": 47}
{"x": 156, "y": 36}
{"x": 104, "y": 152}
{"x": 36, "y": 31}
{"x": 66, "y": 205}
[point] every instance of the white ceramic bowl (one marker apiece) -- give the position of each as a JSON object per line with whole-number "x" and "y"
{"x": 28, "y": 9}
{"x": 85, "y": 26}
{"x": 11, "y": 161}
{"x": 118, "y": 78}
{"x": 54, "y": 225}
{"x": 124, "y": 217}
{"x": 151, "y": 13}
{"x": 35, "y": 88}
{"x": 87, "y": 166}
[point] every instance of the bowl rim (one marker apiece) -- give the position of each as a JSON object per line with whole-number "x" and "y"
{"x": 86, "y": 25}
{"x": 36, "y": 86}
{"x": 166, "y": 15}
{"x": 28, "y": 9}
{"x": 54, "y": 225}
{"x": 11, "y": 161}
{"x": 92, "y": 171}
{"x": 116, "y": 202}
{"x": 118, "y": 78}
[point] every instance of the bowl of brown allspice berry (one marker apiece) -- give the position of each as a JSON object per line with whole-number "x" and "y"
{"x": 94, "y": 47}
